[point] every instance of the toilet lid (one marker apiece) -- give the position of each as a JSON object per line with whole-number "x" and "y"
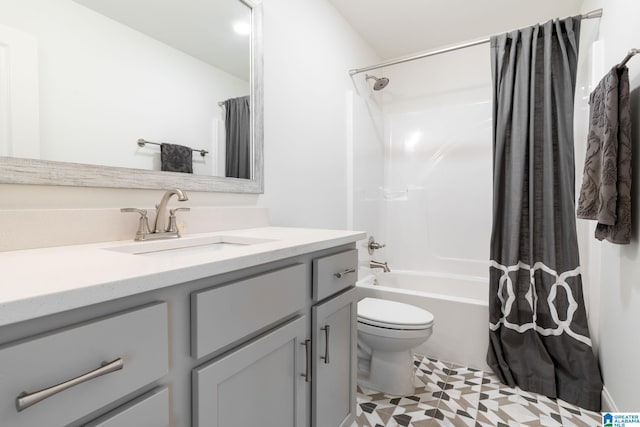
{"x": 393, "y": 315}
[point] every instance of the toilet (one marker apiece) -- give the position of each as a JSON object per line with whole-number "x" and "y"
{"x": 388, "y": 331}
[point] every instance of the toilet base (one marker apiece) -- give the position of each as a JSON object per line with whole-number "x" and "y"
{"x": 390, "y": 373}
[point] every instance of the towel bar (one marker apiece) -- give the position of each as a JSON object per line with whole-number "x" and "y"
{"x": 630, "y": 55}
{"x": 142, "y": 142}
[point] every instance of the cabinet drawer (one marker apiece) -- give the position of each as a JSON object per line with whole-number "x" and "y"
{"x": 138, "y": 337}
{"x": 150, "y": 410}
{"x": 227, "y": 313}
{"x": 333, "y": 273}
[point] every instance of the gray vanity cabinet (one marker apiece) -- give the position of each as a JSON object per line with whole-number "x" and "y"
{"x": 52, "y": 379}
{"x": 269, "y": 345}
{"x": 310, "y": 359}
{"x": 256, "y": 381}
{"x": 334, "y": 335}
{"x": 260, "y": 384}
{"x": 334, "y": 361}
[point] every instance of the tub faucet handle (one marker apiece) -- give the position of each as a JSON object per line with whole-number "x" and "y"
{"x": 372, "y": 245}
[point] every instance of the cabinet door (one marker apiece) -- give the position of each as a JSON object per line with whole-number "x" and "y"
{"x": 260, "y": 384}
{"x": 334, "y": 361}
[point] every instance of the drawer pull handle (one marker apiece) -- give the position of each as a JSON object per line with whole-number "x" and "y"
{"x": 344, "y": 273}
{"x": 326, "y": 344}
{"x": 25, "y": 400}
{"x": 307, "y": 356}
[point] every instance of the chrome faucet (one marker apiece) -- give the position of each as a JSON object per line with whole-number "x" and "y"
{"x": 378, "y": 264}
{"x": 162, "y": 228}
{"x": 161, "y": 208}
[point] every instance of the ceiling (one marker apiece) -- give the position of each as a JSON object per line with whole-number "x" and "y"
{"x": 395, "y": 28}
{"x": 201, "y": 28}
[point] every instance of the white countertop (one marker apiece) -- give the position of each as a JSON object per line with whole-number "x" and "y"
{"x": 38, "y": 282}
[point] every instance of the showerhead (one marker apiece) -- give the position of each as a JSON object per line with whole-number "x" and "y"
{"x": 380, "y": 83}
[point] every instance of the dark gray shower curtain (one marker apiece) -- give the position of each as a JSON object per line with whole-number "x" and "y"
{"x": 237, "y": 124}
{"x": 539, "y": 337}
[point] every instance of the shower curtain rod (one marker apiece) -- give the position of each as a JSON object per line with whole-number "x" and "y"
{"x": 593, "y": 14}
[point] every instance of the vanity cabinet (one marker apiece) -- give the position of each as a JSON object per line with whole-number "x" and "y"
{"x": 271, "y": 344}
{"x": 259, "y": 384}
{"x": 266, "y": 381}
{"x": 51, "y": 380}
{"x": 334, "y": 326}
{"x": 334, "y": 362}
{"x": 259, "y": 381}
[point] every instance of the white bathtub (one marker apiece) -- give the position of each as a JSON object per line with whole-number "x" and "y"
{"x": 459, "y": 305}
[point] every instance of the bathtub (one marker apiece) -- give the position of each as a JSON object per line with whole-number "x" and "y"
{"x": 459, "y": 305}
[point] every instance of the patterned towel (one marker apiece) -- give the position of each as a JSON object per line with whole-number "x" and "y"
{"x": 176, "y": 158}
{"x": 605, "y": 195}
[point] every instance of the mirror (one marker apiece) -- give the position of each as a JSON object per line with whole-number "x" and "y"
{"x": 90, "y": 89}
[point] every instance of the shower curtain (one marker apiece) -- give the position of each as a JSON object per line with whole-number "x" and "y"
{"x": 539, "y": 337}
{"x": 237, "y": 124}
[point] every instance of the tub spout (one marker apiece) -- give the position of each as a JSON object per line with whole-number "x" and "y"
{"x": 378, "y": 264}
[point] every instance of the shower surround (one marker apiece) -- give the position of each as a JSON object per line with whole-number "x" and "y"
{"x": 422, "y": 185}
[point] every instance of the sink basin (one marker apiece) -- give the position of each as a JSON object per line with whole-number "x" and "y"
{"x": 187, "y": 246}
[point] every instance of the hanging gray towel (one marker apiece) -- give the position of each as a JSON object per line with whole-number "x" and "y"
{"x": 605, "y": 195}
{"x": 176, "y": 158}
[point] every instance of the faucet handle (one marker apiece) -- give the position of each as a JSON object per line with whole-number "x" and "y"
{"x": 372, "y": 245}
{"x": 142, "y": 212}
{"x": 143, "y": 223}
{"x": 172, "y": 212}
{"x": 173, "y": 226}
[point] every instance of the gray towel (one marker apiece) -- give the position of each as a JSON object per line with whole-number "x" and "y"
{"x": 605, "y": 195}
{"x": 176, "y": 158}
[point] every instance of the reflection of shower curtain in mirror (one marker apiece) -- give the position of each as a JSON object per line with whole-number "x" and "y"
{"x": 237, "y": 125}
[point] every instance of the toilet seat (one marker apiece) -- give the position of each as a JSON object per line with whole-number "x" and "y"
{"x": 393, "y": 315}
{"x": 401, "y": 334}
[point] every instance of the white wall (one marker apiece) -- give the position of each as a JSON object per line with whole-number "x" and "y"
{"x": 368, "y": 159}
{"x": 617, "y": 268}
{"x": 308, "y": 49}
{"x": 103, "y": 85}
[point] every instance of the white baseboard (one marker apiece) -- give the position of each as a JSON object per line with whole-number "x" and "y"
{"x": 608, "y": 405}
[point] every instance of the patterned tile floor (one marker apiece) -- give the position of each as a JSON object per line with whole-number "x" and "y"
{"x": 452, "y": 395}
